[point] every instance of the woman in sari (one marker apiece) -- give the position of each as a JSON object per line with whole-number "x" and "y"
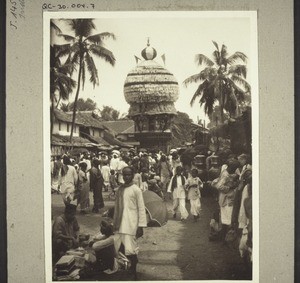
{"x": 83, "y": 188}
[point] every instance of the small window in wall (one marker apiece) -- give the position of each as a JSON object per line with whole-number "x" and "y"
{"x": 93, "y": 132}
{"x": 68, "y": 127}
{"x": 59, "y": 126}
{"x": 99, "y": 134}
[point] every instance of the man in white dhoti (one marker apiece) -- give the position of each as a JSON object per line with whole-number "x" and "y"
{"x": 177, "y": 187}
{"x": 129, "y": 217}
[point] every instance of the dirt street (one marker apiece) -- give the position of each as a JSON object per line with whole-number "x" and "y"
{"x": 176, "y": 251}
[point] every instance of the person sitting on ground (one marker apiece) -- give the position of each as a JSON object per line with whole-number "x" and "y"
{"x": 103, "y": 245}
{"x": 64, "y": 232}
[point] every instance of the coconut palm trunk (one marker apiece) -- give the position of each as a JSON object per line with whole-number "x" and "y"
{"x": 76, "y": 97}
{"x": 52, "y": 116}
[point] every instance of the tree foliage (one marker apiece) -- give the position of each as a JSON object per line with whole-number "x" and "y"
{"x": 222, "y": 81}
{"x": 82, "y": 46}
{"x": 84, "y": 105}
{"x": 181, "y": 129}
{"x": 108, "y": 113}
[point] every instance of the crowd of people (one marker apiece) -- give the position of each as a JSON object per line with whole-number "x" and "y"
{"x": 127, "y": 174}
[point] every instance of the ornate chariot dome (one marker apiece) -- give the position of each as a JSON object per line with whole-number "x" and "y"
{"x": 149, "y": 88}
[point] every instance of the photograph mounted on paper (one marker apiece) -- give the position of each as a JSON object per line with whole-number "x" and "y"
{"x": 151, "y": 146}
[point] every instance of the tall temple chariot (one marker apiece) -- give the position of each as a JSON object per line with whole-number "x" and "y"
{"x": 151, "y": 91}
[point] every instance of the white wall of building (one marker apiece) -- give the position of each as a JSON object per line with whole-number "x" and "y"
{"x": 96, "y": 132}
{"x": 62, "y": 129}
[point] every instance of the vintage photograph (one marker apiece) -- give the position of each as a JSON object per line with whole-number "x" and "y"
{"x": 151, "y": 146}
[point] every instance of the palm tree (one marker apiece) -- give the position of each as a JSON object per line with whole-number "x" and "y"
{"x": 83, "y": 47}
{"x": 222, "y": 80}
{"x": 61, "y": 83}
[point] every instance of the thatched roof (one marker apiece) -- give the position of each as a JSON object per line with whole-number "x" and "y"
{"x": 120, "y": 126}
{"x": 65, "y": 117}
{"x": 114, "y": 141}
{"x": 88, "y": 119}
{"x": 65, "y": 141}
{"x": 84, "y": 118}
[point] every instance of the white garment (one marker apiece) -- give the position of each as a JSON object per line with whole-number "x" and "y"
{"x": 134, "y": 211}
{"x": 195, "y": 206}
{"x": 129, "y": 242}
{"x": 88, "y": 163}
{"x": 180, "y": 202}
{"x": 243, "y": 221}
{"x": 122, "y": 164}
{"x": 178, "y": 197}
{"x": 114, "y": 163}
{"x": 105, "y": 171}
{"x": 179, "y": 191}
{"x": 69, "y": 180}
{"x": 226, "y": 213}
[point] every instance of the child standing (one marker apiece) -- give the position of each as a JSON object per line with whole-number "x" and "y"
{"x": 105, "y": 171}
{"x": 194, "y": 184}
{"x": 113, "y": 182}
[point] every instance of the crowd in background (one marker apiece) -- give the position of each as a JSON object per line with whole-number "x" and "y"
{"x": 224, "y": 175}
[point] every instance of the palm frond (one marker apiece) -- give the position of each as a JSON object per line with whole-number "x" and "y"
{"x": 91, "y": 69}
{"x": 70, "y": 64}
{"x": 63, "y": 91}
{"x": 223, "y": 54}
{"x": 103, "y": 53}
{"x": 236, "y": 88}
{"x": 67, "y": 37}
{"x": 216, "y": 56}
{"x": 192, "y": 79}
{"x": 231, "y": 104}
{"x": 216, "y": 45}
{"x": 55, "y": 27}
{"x": 98, "y": 38}
{"x": 202, "y": 59}
{"x": 208, "y": 99}
{"x": 62, "y": 50}
{"x": 82, "y": 27}
{"x": 209, "y": 73}
{"x": 237, "y": 56}
{"x": 242, "y": 82}
{"x": 239, "y": 70}
{"x": 75, "y": 58}
{"x": 199, "y": 91}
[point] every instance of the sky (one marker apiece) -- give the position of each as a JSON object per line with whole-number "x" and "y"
{"x": 180, "y": 36}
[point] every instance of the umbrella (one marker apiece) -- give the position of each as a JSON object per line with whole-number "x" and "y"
{"x": 156, "y": 209}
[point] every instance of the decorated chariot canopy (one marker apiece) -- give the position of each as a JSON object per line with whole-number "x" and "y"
{"x": 149, "y": 88}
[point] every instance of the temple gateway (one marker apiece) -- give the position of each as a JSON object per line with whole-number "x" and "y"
{"x": 151, "y": 91}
